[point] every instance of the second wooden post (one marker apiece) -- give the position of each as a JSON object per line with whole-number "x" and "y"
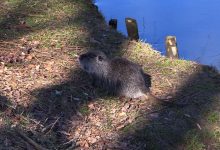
{"x": 132, "y": 28}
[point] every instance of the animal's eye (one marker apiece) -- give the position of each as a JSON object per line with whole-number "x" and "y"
{"x": 100, "y": 58}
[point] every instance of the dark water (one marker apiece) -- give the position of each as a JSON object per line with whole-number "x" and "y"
{"x": 195, "y": 23}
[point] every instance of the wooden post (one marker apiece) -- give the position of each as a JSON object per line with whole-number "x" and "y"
{"x": 171, "y": 47}
{"x": 113, "y": 23}
{"x": 95, "y": 6}
{"x": 132, "y": 28}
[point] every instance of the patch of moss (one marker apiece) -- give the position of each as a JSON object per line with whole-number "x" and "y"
{"x": 84, "y": 109}
{"x": 213, "y": 117}
{"x": 193, "y": 141}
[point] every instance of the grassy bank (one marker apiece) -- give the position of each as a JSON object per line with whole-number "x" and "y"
{"x": 45, "y": 95}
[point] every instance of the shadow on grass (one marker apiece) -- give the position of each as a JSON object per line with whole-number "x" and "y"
{"x": 166, "y": 128}
{"x": 59, "y": 102}
{"x": 11, "y": 23}
{"x": 3, "y": 103}
{"x": 61, "y": 105}
{"x": 8, "y": 138}
{"x": 169, "y": 127}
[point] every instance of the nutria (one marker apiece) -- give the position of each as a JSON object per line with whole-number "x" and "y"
{"x": 118, "y": 76}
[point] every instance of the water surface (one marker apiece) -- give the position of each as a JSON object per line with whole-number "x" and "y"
{"x": 195, "y": 23}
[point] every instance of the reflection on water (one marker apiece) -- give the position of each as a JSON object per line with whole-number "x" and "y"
{"x": 195, "y": 23}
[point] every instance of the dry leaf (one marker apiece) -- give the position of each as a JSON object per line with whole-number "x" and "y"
{"x": 29, "y": 57}
{"x": 35, "y": 44}
{"x": 122, "y": 114}
{"x": 91, "y": 106}
{"x": 120, "y": 126}
{"x": 38, "y": 67}
{"x": 49, "y": 65}
{"x": 92, "y": 140}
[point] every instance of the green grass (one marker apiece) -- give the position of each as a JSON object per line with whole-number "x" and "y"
{"x": 84, "y": 110}
{"x": 194, "y": 142}
{"x": 213, "y": 117}
{"x": 198, "y": 140}
{"x": 66, "y": 23}
{"x": 53, "y": 22}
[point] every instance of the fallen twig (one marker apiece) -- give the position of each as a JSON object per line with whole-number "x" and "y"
{"x": 30, "y": 141}
{"x": 50, "y": 127}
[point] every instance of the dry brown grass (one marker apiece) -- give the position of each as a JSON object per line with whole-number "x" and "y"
{"x": 46, "y": 95}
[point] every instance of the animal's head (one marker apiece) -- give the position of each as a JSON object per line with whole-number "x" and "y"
{"x": 94, "y": 62}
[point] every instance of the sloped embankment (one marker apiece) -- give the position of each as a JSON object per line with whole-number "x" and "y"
{"x": 45, "y": 95}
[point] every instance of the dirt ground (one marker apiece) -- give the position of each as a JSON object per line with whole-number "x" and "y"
{"x": 48, "y": 102}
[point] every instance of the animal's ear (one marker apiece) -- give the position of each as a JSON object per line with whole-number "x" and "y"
{"x": 100, "y": 58}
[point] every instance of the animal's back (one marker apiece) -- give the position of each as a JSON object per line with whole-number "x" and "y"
{"x": 122, "y": 68}
{"x": 129, "y": 76}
